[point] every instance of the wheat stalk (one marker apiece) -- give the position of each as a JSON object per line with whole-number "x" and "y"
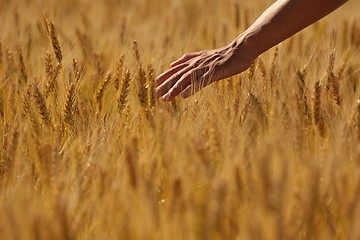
{"x": 355, "y": 119}
{"x": 131, "y": 158}
{"x": 124, "y": 91}
{"x": 318, "y": 117}
{"x": 101, "y": 90}
{"x": 341, "y": 70}
{"x": 1, "y": 53}
{"x": 177, "y": 201}
{"x": 357, "y": 122}
{"x": 48, "y": 65}
{"x": 262, "y": 68}
{"x": 302, "y": 97}
{"x": 136, "y": 52}
{"x": 1, "y": 107}
{"x": 55, "y": 42}
{"x": 52, "y": 73}
{"x": 3, "y": 153}
{"x": 23, "y": 76}
{"x": 273, "y": 69}
{"x": 27, "y": 110}
{"x": 119, "y": 72}
{"x": 354, "y": 36}
{"x": 256, "y": 105}
{"x": 76, "y": 71}
{"x": 85, "y": 44}
{"x": 41, "y": 105}
{"x": 214, "y": 145}
{"x": 142, "y": 92}
{"x": 68, "y": 115}
{"x": 251, "y": 74}
{"x": 12, "y": 100}
{"x": 10, "y": 65}
{"x": 123, "y": 30}
{"x": 12, "y": 150}
{"x": 332, "y": 82}
{"x": 151, "y": 87}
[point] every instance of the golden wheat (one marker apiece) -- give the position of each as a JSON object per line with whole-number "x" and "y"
{"x": 69, "y": 111}
{"x": 41, "y": 105}
{"x": 55, "y": 42}
{"x": 317, "y": 110}
{"x": 101, "y": 90}
{"x": 122, "y": 100}
{"x": 22, "y": 71}
{"x": 87, "y": 151}
{"x": 76, "y": 71}
{"x": 119, "y": 72}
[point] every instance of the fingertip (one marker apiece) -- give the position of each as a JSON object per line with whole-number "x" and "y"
{"x": 166, "y": 98}
{"x": 158, "y": 80}
{"x": 157, "y": 91}
{"x": 175, "y": 63}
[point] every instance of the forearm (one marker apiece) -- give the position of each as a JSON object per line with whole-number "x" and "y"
{"x": 283, "y": 19}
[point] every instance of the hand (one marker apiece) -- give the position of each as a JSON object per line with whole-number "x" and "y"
{"x": 194, "y": 71}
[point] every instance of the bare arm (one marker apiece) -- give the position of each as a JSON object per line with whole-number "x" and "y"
{"x": 285, "y": 18}
{"x": 280, "y": 21}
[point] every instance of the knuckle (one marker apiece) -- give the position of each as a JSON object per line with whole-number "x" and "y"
{"x": 186, "y": 75}
{"x": 218, "y": 58}
{"x": 196, "y": 64}
{"x": 216, "y": 55}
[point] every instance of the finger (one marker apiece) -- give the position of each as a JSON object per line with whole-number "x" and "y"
{"x": 164, "y": 76}
{"x": 170, "y": 82}
{"x": 185, "y": 58}
{"x": 205, "y": 80}
{"x": 182, "y": 84}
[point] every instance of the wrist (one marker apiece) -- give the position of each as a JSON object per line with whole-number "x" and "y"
{"x": 247, "y": 45}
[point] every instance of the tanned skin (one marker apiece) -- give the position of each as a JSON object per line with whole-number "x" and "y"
{"x": 280, "y": 21}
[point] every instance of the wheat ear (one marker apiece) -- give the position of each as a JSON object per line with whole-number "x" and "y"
{"x": 55, "y": 42}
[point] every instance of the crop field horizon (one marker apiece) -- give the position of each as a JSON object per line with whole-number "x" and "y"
{"x": 87, "y": 151}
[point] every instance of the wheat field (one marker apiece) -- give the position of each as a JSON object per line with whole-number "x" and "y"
{"x": 88, "y": 152}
